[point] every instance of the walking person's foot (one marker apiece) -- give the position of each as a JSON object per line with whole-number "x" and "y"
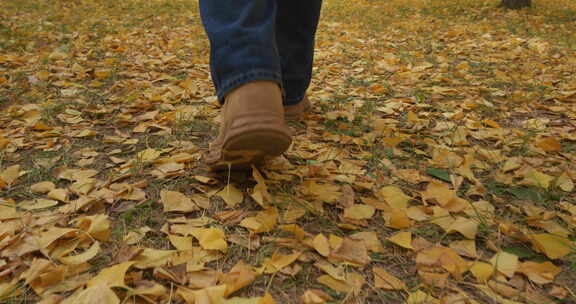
{"x": 252, "y": 127}
{"x": 296, "y": 112}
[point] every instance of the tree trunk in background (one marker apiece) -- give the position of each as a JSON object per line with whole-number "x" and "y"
{"x": 515, "y": 4}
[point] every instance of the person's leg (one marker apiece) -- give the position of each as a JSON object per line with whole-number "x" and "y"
{"x": 246, "y": 72}
{"x": 242, "y": 42}
{"x": 296, "y": 23}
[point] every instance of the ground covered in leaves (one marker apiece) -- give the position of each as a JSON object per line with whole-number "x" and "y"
{"x": 438, "y": 165}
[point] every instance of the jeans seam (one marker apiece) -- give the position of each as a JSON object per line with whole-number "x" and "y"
{"x": 245, "y": 77}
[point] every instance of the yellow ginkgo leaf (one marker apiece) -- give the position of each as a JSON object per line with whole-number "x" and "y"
{"x": 359, "y": 212}
{"x": 58, "y": 194}
{"x": 565, "y": 183}
{"x": 10, "y": 174}
{"x": 279, "y": 261}
{"x": 506, "y": 263}
{"x": 397, "y": 219}
{"x": 549, "y": 144}
{"x": 174, "y": 201}
{"x": 112, "y": 276}
{"x": 321, "y": 244}
{"x": 98, "y": 226}
{"x": 371, "y": 240}
{"x": 37, "y": 204}
{"x": 152, "y": 258}
{"x": 42, "y": 187}
{"x": 260, "y": 193}
{"x": 465, "y": 248}
{"x": 402, "y": 239}
{"x": 148, "y": 155}
{"x": 351, "y": 251}
{"x": 210, "y": 238}
{"x": 231, "y": 195}
{"x": 395, "y": 197}
{"x": 338, "y": 273}
{"x": 264, "y": 221}
{"x": 511, "y": 164}
{"x": 84, "y": 257}
{"x": 315, "y": 296}
{"x": 537, "y": 178}
{"x": 95, "y": 295}
{"x": 540, "y": 273}
{"x": 552, "y": 246}
{"x": 182, "y": 243}
{"x": 240, "y": 276}
{"x": 386, "y": 281}
{"x": 482, "y": 271}
{"x": 353, "y": 283}
{"x": 465, "y": 226}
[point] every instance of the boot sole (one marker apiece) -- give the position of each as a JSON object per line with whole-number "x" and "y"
{"x": 251, "y": 147}
{"x": 300, "y": 115}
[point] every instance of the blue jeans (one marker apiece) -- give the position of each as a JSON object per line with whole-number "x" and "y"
{"x": 261, "y": 40}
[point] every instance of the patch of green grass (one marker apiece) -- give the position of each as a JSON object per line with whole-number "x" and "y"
{"x": 375, "y": 165}
{"x": 186, "y": 127}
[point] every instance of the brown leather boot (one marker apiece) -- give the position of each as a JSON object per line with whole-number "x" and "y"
{"x": 252, "y": 127}
{"x": 296, "y": 112}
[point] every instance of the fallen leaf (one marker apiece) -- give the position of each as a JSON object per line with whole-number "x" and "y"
{"x": 260, "y": 193}
{"x": 240, "y": 276}
{"x": 565, "y": 183}
{"x": 395, "y": 197}
{"x": 539, "y": 273}
{"x": 182, "y": 243}
{"x": 554, "y": 247}
{"x": 111, "y": 276}
{"x": 231, "y": 196}
{"x": 402, "y": 239}
{"x": 443, "y": 257}
{"x": 134, "y": 237}
{"x": 434, "y": 279}
{"x": 359, "y": 212}
{"x": 148, "y": 155}
{"x": 549, "y": 144}
{"x": 466, "y": 227}
{"x": 506, "y": 263}
{"x": 338, "y": 273}
{"x": 315, "y": 296}
{"x": 97, "y": 294}
{"x": 352, "y": 284}
{"x": 174, "y": 201}
{"x": 351, "y": 251}
{"x": 10, "y": 174}
{"x": 210, "y": 238}
{"x": 371, "y": 240}
{"x": 321, "y": 244}
{"x": 37, "y": 204}
{"x": 512, "y": 164}
{"x": 465, "y": 248}
{"x": 397, "y": 219}
{"x": 482, "y": 271}
{"x": 264, "y": 221}
{"x": 42, "y": 187}
{"x": 279, "y": 261}
{"x": 97, "y": 226}
{"x": 84, "y": 257}
{"x": 59, "y": 195}
{"x": 420, "y": 297}
{"x": 537, "y": 178}
{"x": 386, "y": 281}
{"x": 152, "y": 258}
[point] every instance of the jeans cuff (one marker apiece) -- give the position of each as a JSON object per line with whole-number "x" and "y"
{"x": 293, "y": 101}
{"x": 253, "y": 75}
